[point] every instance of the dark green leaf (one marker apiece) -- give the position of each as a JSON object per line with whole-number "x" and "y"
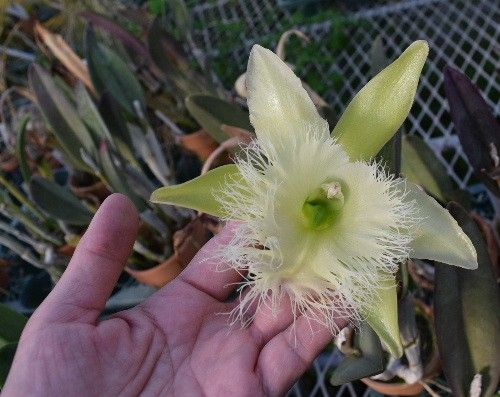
{"x": 117, "y": 125}
{"x": 7, "y": 353}
{"x": 173, "y": 62}
{"x": 467, "y": 317}
{"x": 116, "y": 178}
{"x": 12, "y": 325}
{"x": 421, "y": 166}
{"x": 21, "y": 150}
{"x": 378, "y": 56}
{"x": 59, "y": 202}
{"x": 111, "y": 74}
{"x": 371, "y": 361}
{"x": 90, "y": 115}
{"x": 117, "y": 31}
{"x": 211, "y": 113}
{"x": 68, "y": 128}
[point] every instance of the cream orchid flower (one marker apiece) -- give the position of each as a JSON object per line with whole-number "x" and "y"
{"x": 319, "y": 221}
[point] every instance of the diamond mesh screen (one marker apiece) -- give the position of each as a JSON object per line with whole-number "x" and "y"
{"x": 463, "y": 33}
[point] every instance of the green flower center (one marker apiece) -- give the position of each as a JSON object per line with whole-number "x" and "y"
{"x": 322, "y": 207}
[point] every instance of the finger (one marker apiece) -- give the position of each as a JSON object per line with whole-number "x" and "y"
{"x": 99, "y": 258}
{"x": 207, "y": 272}
{"x": 288, "y": 355}
{"x": 270, "y": 320}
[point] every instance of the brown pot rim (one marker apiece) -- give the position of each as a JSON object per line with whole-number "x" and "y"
{"x": 394, "y": 389}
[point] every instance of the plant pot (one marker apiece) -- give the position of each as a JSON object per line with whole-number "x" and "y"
{"x": 187, "y": 242}
{"x": 8, "y": 162}
{"x": 432, "y": 367}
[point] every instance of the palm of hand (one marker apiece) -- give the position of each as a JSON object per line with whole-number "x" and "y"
{"x": 176, "y": 343}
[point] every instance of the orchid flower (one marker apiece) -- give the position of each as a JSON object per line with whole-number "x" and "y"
{"x": 318, "y": 220}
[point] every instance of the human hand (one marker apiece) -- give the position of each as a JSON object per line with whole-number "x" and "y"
{"x": 176, "y": 343}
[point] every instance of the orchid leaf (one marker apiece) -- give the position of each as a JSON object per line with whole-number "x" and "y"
{"x": 114, "y": 175}
{"x": 371, "y": 361}
{"x": 21, "y": 149}
{"x": 58, "y": 202}
{"x": 476, "y": 125}
{"x": 378, "y": 56}
{"x": 278, "y": 103}
{"x": 200, "y": 193}
{"x": 70, "y": 131}
{"x": 12, "y": 325}
{"x": 111, "y": 74}
{"x": 467, "y": 317}
{"x": 437, "y": 236}
{"x": 380, "y": 108}
{"x": 382, "y": 316}
{"x": 421, "y": 166}
{"x": 7, "y": 354}
{"x": 211, "y": 113}
{"x": 90, "y": 115}
{"x": 117, "y": 31}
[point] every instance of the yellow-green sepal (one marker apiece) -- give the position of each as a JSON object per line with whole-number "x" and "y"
{"x": 382, "y": 316}
{"x": 200, "y": 193}
{"x": 379, "y": 109}
{"x": 437, "y": 235}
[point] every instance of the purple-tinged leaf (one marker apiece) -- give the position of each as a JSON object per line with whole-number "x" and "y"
{"x": 477, "y": 127}
{"x": 117, "y": 31}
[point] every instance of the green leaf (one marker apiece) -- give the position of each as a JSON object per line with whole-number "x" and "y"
{"x": 117, "y": 125}
{"x": 382, "y": 316}
{"x": 21, "y": 150}
{"x": 371, "y": 361}
{"x": 378, "y": 56}
{"x": 59, "y": 202}
{"x": 211, "y": 113}
{"x": 66, "y": 124}
{"x": 12, "y": 243}
{"x": 111, "y": 74}
{"x": 169, "y": 56}
{"x": 421, "y": 166}
{"x": 437, "y": 235}
{"x": 116, "y": 178}
{"x": 7, "y": 354}
{"x": 199, "y": 193}
{"x": 380, "y": 108}
{"x": 467, "y": 317}
{"x": 90, "y": 115}
{"x": 12, "y": 325}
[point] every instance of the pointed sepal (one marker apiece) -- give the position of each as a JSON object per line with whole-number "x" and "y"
{"x": 379, "y": 109}
{"x": 437, "y": 235}
{"x": 201, "y": 193}
{"x": 279, "y": 105}
{"x": 382, "y": 316}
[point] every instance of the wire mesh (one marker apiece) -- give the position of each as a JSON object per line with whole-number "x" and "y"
{"x": 463, "y": 33}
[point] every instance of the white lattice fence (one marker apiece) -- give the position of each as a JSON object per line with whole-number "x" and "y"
{"x": 463, "y": 33}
